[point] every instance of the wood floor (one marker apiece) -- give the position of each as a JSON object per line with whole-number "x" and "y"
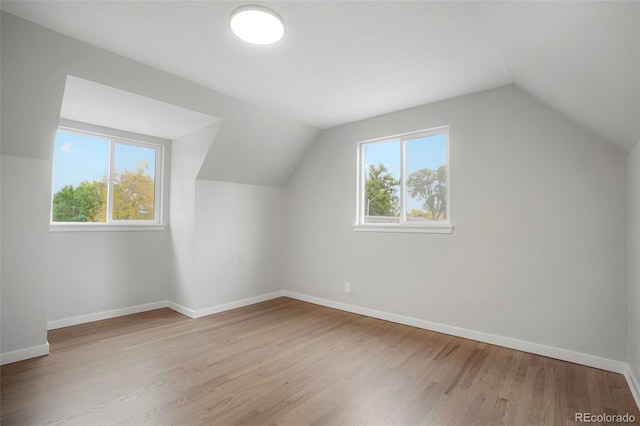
{"x": 293, "y": 363}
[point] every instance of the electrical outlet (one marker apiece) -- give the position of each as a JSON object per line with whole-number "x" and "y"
{"x": 347, "y": 287}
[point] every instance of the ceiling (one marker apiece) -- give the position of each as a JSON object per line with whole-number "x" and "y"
{"x": 344, "y": 61}
{"x": 89, "y": 102}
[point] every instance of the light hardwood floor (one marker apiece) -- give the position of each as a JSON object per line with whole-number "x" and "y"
{"x": 292, "y": 363}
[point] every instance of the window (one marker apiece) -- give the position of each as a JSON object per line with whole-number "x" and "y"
{"x": 403, "y": 183}
{"x": 105, "y": 180}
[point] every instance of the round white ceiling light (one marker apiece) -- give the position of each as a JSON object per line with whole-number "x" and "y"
{"x": 257, "y": 25}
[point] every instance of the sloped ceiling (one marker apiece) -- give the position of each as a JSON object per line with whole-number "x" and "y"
{"x": 253, "y": 145}
{"x": 275, "y": 145}
{"x": 580, "y": 57}
{"x": 344, "y": 61}
{"x": 89, "y": 102}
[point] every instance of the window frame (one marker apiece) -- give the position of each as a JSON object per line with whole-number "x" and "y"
{"x": 441, "y": 227}
{"x": 125, "y": 138}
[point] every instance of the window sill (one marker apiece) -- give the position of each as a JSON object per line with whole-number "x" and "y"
{"x": 424, "y": 229}
{"x": 101, "y": 227}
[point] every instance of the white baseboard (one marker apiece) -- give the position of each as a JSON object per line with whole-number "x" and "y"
{"x": 237, "y": 304}
{"x": 22, "y": 354}
{"x": 97, "y": 316}
{"x": 534, "y": 348}
{"x": 182, "y": 310}
{"x": 37, "y": 351}
{"x": 198, "y": 313}
{"x": 634, "y": 385}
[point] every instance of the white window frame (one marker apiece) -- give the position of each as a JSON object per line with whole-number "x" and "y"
{"x": 117, "y": 137}
{"x": 444, "y": 227}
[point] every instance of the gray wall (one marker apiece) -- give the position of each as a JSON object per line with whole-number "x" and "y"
{"x": 92, "y": 272}
{"x": 239, "y": 242}
{"x": 634, "y": 262}
{"x": 25, "y": 229}
{"x": 538, "y": 252}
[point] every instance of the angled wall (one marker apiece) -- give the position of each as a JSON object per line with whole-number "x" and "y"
{"x": 227, "y": 238}
{"x": 35, "y": 63}
{"x": 187, "y": 154}
{"x": 537, "y": 257}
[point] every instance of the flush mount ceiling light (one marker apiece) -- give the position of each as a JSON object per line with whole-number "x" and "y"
{"x": 257, "y": 25}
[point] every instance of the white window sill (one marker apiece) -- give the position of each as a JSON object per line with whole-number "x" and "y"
{"x": 423, "y": 229}
{"x": 103, "y": 227}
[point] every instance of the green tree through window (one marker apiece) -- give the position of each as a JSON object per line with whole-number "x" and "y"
{"x": 133, "y": 198}
{"x": 381, "y": 192}
{"x": 403, "y": 183}
{"x": 105, "y": 179}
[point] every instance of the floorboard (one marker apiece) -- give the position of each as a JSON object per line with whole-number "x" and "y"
{"x": 287, "y": 362}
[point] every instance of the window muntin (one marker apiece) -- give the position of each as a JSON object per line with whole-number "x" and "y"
{"x": 403, "y": 181}
{"x": 100, "y": 179}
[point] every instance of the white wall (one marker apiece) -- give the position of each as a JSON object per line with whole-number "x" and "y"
{"x": 93, "y": 272}
{"x": 239, "y": 242}
{"x": 187, "y": 154}
{"x": 24, "y": 210}
{"x": 634, "y": 262}
{"x": 538, "y": 252}
{"x": 227, "y": 238}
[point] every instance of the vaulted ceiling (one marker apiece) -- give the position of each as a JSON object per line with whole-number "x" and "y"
{"x": 344, "y": 61}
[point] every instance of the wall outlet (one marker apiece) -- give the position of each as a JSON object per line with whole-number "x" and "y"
{"x": 347, "y": 287}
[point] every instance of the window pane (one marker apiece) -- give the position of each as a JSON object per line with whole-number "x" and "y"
{"x": 382, "y": 182}
{"x": 134, "y": 182}
{"x": 80, "y": 167}
{"x": 426, "y": 168}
